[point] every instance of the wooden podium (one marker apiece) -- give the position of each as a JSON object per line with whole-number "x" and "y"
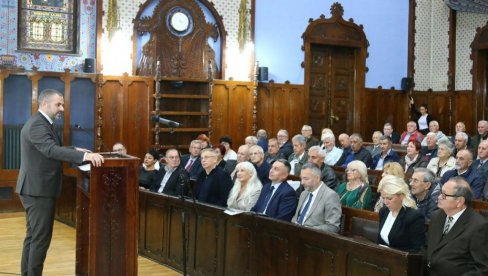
{"x": 107, "y": 217}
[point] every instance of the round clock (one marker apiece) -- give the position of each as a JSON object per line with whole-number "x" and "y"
{"x": 179, "y": 21}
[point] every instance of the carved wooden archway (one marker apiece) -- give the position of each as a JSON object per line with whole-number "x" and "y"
{"x": 479, "y": 55}
{"x": 346, "y": 42}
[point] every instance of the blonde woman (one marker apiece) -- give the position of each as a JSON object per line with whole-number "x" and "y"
{"x": 444, "y": 160}
{"x": 402, "y": 226}
{"x": 356, "y": 192}
{"x": 246, "y": 189}
{"x": 392, "y": 168}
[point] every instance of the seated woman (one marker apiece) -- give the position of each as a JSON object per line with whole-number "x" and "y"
{"x": 392, "y": 168}
{"x": 246, "y": 189}
{"x": 414, "y": 158}
{"x": 356, "y": 192}
{"x": 401, "y": 225}
{"x": 148, "y": 169}
{"x": 220, "y": 150}
{"x": 205, "y": 141}
{"x": 444, "y": 160}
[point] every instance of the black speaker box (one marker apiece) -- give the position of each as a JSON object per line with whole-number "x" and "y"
{"x": 407, "y": 84}
{"x": 262, "y": 74}
{"x": 89, "y": 65}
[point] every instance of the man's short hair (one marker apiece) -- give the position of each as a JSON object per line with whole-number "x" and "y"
{"x": 319, "y": 150}
{"x": 257, "y": 147}
{"x": 311, "y": 166}
{"x": 46, "y": 94}
{"x": 329, "y": 136}
{"x": 299, "y": 139}
{"x": 262, "y": 134}
{"x": 286, "y": 163}
{"x": 388, "y": 124}
{"x": 463, "y": 135}
{"x": 384, "y": 137}
{"x": 428, "y": 174}
{"x": 357, "y": 135}
{"x": 462, "y": 189}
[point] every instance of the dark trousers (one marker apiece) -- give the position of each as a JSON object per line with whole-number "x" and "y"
{"x": 40, "y": 219}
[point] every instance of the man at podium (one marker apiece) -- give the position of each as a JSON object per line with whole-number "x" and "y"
{"x": 40, "y": 175}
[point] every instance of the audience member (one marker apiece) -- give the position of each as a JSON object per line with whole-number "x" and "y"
{"x": 230, "y": 154}
{"x": 392, "y": 168}
{"x": 430, "y": 151}
{"x": 119, "y": 148}
{"x": 423, "y": 117}
{"x": 463, "y": 168}
{"x": 457, "y": 236}
{"x": 461, "y": 142}
{"x": 286, "y": 148}
{"x": 327, "y": 174}
{"x": 375, "y": 148}
{"x": 319, "y": 206}
{"x": 220, "y": 151}
{"x": 273, "y": 153}
{"x": 345, "y": 142}
{"x": 434, "y": 128}
{"x": 411, "y": 134}
{"x": 148, "y": 170}
{"x": 277, "y": 199}
{"x": 251, "y": 141}
{"x": 388, "y": 131}
{"x": 482, "y": 166}
{"x": 481, "y": 136}
{"x": 386, "y": 155}
{"x": 205, "y": 141}
{"x": 262, "y": 136}
{"x": 425, "y": 191}
{"x": 414, "y": 158}
{"x": 299, "y": 156}
{"x": 358, "y": 152}
{"x": 461, "y": 127}
{"x": 356, "y": 192}
{"x": 444, "y": 161}
{"x": 256, "y": 154}
{"x": 402, "y": 226}
{"x": 214, "y": 184}
{"x": 307, "y": 132}
{"x": 169, "y": 177}
{"x": 332, "y": 153}
{"x": 242, "y": 155}
{"x": 191, "y": 162}
{"x": 247, "y": 187}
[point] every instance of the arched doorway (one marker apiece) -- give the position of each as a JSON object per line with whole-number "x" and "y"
{"x": 479, "y": 54}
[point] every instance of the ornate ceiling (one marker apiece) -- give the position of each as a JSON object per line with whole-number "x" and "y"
{"x": 475, "y": 6}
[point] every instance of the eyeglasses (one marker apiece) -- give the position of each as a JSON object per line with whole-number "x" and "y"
{"x": 444, "y": 195}
{"x": 254, "y": 153}
{"x": 415, "y": 181}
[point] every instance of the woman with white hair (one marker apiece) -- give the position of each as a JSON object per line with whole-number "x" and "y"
{"x": 401, "y": 225}
{"x": 444, "y": 160}
{"x": 246, "y": 189}
{"x": 332, "y": 153}
{"x": 356, "y": 192}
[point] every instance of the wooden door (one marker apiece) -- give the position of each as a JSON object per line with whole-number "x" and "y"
{"x": 331, "y": 92}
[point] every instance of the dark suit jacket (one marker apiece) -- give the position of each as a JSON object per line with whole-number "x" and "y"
{"x": 392, "y": 156}
{"x": 41, "y": 155}
{"x": 173, "y": 185}
{"x": 420, "y": 162}
{"x": 395, "y": 138}
{"x": 408, "y": 230}
{"x": 463, "y": 250}
{"x": 196, "y": 168}
{"x": 362, "y": 155}
{"x": 214, "y": 188}
{"x": 483, "y": 171}
{"x": 286, "y": 150}
{"x": 282, "y": 205}
{"x": 475, "y": 180}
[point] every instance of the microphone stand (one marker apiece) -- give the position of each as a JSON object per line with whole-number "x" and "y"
{"x": 183, "y": 185}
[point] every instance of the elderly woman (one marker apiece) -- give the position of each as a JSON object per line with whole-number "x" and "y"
{"x": 444, "y": 160}
{"x": 392, "y": 168}
{"x": 356, "y": 192}
{"x": 332, "y": 153}
{"x": 414, "y": 158}
{"x": 246, "y": 189}
{"x": 401, "y": 225}
{"x": 148, "y": 169}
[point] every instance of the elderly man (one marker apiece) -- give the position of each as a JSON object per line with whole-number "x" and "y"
{"x": 256, "y": 154}
{"x": 430, "y": 150}
{"x": 277, "y": 199}
{"x": 273, "y": 153}
{"x": 251, "y": 141}
{"x": 461, "y": 142}
{"x": 457, "y": 236}
{"x": 332, "y": 153}
{"x": 214, "y": 184}
{"x": 299, "y": 156}
{"x": 262, "y": 136}
{"x": 481, "y": 136}
{"x": 307, "y": 132}
{"x": 411, "y": 134}
{"x": 286, "y": 148}
{"x": 481, "y": 165}
{"x": 375, "y": 148}
{"x": 434, "y": 128}
{"x": 425, "y": 191}
{"x": 388, "y": 131}
{"x": 242, "y": 155}
{"x": 327, "y": 174}
{"x": 358, "y": 152}
{"x": 119, "y": 148}
{"x": 345, "y": 142}
{"x": 319, "y": 206}
{"x": 464, "y": 159}
{"x": 460, "y": 127}
{"x": 386, "y": 155}
{"x": 191, "y": 162}
{"x": 169, "y": 177}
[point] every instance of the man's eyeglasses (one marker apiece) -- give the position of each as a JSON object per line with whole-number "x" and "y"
{"x": 444, "y": 195}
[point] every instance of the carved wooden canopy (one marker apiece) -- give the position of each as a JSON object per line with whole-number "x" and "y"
{"x": 480, "y": 41}
{"x": 183, "y": 51}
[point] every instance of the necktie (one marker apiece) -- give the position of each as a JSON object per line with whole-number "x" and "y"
{"x": 446, "y": 229}
{"x": 267, "y": 199}
{"x": 190, "y": 164}
{"x": 481, "y": 164}
{"x": 301, "y": 218}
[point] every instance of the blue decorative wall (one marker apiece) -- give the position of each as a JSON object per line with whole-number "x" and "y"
{"x": 49, "y": 62}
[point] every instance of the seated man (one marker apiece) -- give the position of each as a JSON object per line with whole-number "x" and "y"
{"x": 388, "y": 131}
{"x": 358, "y": 152}
{"x": 461, "y": 142}
{"x": 319, "y": 206}
{"x": 386, "y": 155}
{"x": 214, "y": 184}
{"x": 425, "y": 191}
{"x": 344, "y": 141}
{"x": 262, "y": 139}
{"x": 464, "y": 159}
{"x": 327, "y": 174}
{"x": 277, "y": 199}
{"x": 191, "y": 162}
{"x": 434, "y": 128}
{"x": 481, "y": 136}
{"x": 299, "y": 156}
{"x": 251, "y": 141}
{"x": 119, "y": 148}
{"x": 375, "y": 148}
{"x": 332, "y": 153}
{"x": 460, "y": 127}
{"x": 256, "y": 154}
{"x": 286, "y": 148}
{"x": 430, "y": 150}
{"x": 273, "y": 153}
{"x": 481, "y": 165}
{"x": 411, "y": 134}
{"x": 169, "y": 178}
{"x": 307, "y": 132}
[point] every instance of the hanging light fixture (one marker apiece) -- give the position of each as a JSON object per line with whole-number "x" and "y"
{"x": 7, "y": 60}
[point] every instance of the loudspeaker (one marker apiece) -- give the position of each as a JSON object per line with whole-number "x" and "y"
{"x": 262, "y": 74}
{"x": 89, "y": 65}
{"x": 407, "y": 84}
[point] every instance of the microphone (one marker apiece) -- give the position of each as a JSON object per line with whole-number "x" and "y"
{"x": 164, "y": 121}
{"x": 88, "y": 133}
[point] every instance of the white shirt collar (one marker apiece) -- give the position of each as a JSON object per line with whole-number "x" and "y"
{"x": 47, "y": 117}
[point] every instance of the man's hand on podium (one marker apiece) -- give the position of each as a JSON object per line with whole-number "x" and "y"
{"x": 95, "y": 158}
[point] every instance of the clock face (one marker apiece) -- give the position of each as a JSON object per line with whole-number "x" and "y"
{"x": 180, "y": 21}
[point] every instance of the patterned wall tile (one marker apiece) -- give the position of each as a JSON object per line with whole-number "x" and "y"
{"x": 422, "y": 44}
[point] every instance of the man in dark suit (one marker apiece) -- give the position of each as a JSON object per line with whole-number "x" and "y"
{"x": 386, "y": 155}
{"x": 481, "y": 165}
{"x": 299, "y": 156}
{"x": 191, "y": 162}
{"x": 169, "y": 178}
{"x": 277, "y": 199}
{"x": 40, "y": 176}
{"x": 388, "y": 131}
{"x": 256, "y": 154}
{"x": 458, "y": 236}
{"x": 286, "y": 148}
{"x": 358, "y": 152}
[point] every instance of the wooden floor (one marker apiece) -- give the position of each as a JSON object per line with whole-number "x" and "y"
{"x": 61, "y": 255}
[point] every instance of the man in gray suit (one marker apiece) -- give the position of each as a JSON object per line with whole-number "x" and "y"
{"x": 40, "y": 175}
{"x": 319, "y": 206}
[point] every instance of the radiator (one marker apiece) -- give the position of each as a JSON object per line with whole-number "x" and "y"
{"x": 11, "y": 147}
